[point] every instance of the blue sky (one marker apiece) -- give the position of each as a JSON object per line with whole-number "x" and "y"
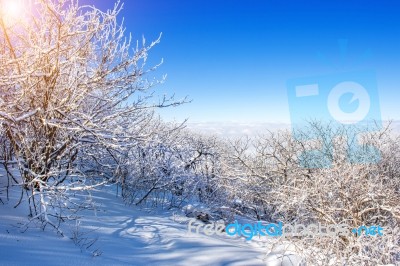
{"x": 233, "y": 58}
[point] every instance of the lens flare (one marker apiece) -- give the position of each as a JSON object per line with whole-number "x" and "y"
{"x": 11, "y": 8}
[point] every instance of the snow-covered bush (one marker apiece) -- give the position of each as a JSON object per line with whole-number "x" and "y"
{"x": 349, "y": 193}
{"x": 175, "y": 166}
{"x": 74, "y": 99}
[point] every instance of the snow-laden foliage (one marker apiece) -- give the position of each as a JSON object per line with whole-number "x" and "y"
{"x": 346, "y": 193}
{"x": 174, "y": 167}
{"x": 74, "y": 99}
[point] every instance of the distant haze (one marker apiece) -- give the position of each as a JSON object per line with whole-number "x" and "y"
{"x": 232, "y": 130}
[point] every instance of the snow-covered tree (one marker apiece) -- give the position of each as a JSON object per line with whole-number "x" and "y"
{"x": 73, "y": 96}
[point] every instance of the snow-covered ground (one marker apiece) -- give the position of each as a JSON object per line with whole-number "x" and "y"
{"x": 125, "y": 236}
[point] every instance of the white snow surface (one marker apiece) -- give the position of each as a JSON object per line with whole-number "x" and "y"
{"x": 126, "y": 235}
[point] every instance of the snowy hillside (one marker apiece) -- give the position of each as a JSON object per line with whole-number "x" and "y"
{"x": 125, "y": 236}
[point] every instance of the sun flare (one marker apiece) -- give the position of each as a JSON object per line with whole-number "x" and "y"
{"x": 11, "y": 8}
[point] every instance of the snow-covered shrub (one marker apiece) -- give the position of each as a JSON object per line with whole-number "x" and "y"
{"x": 173, "y": 168}
{"x": 74, "y": 99}
{"x": 350, "y": 193}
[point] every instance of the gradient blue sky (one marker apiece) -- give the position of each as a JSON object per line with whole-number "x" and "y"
{"x": 233, "y": 58}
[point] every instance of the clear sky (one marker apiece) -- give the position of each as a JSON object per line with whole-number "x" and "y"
{"x": 233, "y": 58}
